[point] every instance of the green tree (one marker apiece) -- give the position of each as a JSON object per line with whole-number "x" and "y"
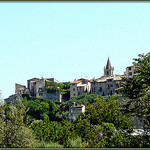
{"x": 137, "y": 89}
{"x": 41, "y": 109}
{"x": 107, "y": 110}
{"x": 53, "y": 131}
{"x": 13, "y": 131}
{"x": 100, "y": 123}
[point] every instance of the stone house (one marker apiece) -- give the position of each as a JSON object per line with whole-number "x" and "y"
{"x": 20, "y": 89}
{"x": 77, "y": 87}
{"x": 36, "y": 88}
{"x": 106, "y": 84}
{"x": 130, "y": 72}
{"x": 74, "y": 111}
{"x": 41, "y": 92}
{"x": 31, "y": 85}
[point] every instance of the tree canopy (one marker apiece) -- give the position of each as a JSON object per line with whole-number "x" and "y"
{"x": 137, "y": 89}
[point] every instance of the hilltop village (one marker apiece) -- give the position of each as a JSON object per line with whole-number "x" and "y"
{"x": 52, "y": 89}
{"x": 110, "y": 111}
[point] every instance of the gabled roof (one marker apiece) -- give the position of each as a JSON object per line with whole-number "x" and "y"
{"x": 16, "y": 84}
{"x": 76, "y": 81}
{"x": 77, "y": 106}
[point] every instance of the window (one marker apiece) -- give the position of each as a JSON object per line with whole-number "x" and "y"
{"x": 130, "y": 73}
{"x": 100, "y": 89}
{"x": 74, "y": 94}
{"x": 40, "y": 94}
{"x": 73, "y": 89}
{"x": 103, "y": 94}
{"x": 129, "y": 68}
{"x": 108, "y": 86}
{"x": 94, "y": 89}
{"x": 40, "y": 90}
{"x": 109, "y": 80}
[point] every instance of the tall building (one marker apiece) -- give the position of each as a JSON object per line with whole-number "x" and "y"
{"x": 108, "y": 70}
{"x": 130, "y": 72}
{"x": 107, "y": 84}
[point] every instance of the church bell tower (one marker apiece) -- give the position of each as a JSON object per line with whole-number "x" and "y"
{"x": 108, "y": 70}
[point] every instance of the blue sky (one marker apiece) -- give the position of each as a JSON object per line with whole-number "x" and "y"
{"x": 69, "y": 40}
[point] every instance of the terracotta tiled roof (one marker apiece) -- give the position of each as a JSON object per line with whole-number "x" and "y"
{"x": 79, "y": 105}
{"x": 77, "y": 81}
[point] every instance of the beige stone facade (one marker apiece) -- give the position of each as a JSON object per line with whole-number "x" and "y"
{"x": 105, "y": 85}
{"x": 42, "y": 93}
{"x": 36, "y": 88}
{"x": 77, "y": 87}
{"x": 74, "y": 111}
{"x": 130, "y": 72}
{"x": 20, "y": 89}
{"x": 31, "y": 85}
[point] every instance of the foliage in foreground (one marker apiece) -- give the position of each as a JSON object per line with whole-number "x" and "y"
{"x": 40, "y": 124}
{"x": 137, "y": 89}
{"x": 13, "y": 132}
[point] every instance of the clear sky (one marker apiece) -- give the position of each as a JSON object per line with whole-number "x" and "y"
{"x": 69, "y": 40}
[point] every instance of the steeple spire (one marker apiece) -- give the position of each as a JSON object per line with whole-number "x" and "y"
{"x": 109, "y": 70}
{"x": 108, "y": 66}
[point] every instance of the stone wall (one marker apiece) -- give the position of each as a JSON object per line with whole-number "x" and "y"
{"x": 19, "y": 89}
{"x": 42, "y": 93}
{"x": 104, "y": 88}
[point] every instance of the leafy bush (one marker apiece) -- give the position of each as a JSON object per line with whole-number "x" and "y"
{"x": 75, "y": 142}
{"x": 43, "y": 144}
{"x": 13, "y": 132}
